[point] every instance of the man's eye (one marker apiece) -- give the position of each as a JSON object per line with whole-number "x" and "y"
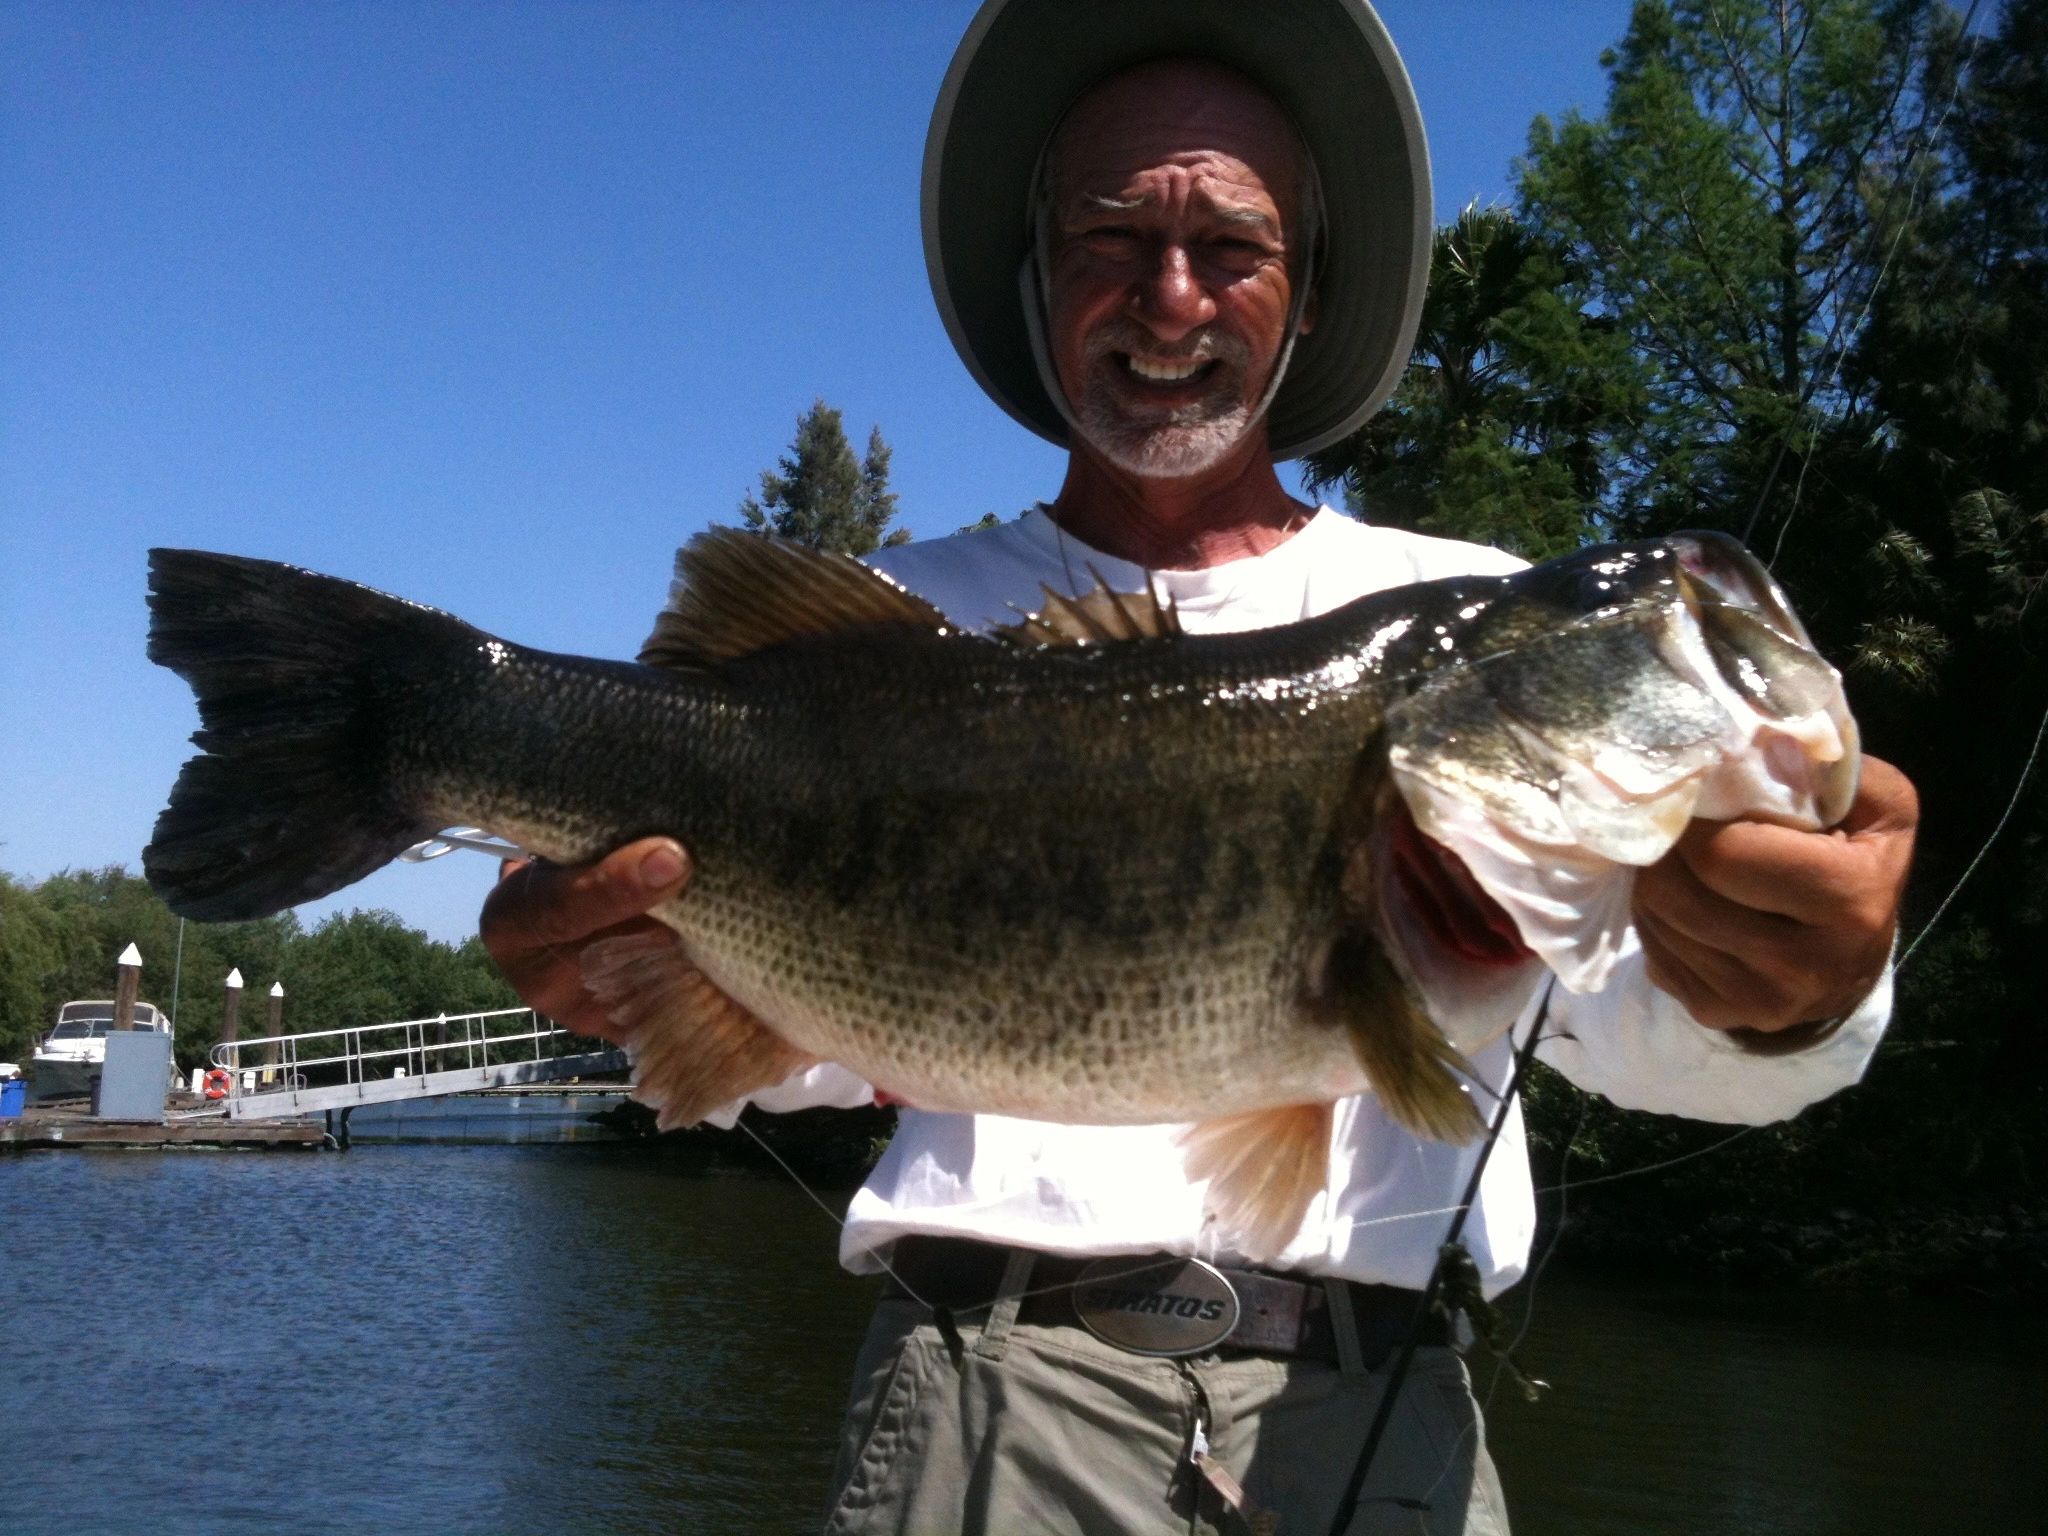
{"x": 1113, "y": 238}
{"x": 1238, "y": 255}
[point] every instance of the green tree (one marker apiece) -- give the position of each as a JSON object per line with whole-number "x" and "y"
{"x": 30, "y": 954}
{"x": 59, "y": 940}
{"x": 822, "y": 495}
{"x": 1824, "y": 228}
{"x": 1727, "y": 211}
{"x": 1952, "y": 621}
{"x": 97, "y": 914}
{"x": 367, "y": 967}
{"x": 1494, "y": 433}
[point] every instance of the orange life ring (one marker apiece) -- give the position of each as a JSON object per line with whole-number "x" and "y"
{"x": 217, "y": 1084}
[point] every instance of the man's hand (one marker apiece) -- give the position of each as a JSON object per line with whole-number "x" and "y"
{"x": 537, "y": 921}
{"x": 1754, "y": 926}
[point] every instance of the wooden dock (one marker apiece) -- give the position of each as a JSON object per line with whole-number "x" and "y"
{"x": 47, "y": 1127}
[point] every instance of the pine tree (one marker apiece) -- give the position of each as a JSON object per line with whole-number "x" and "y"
{"x": 1728, "y": 210}
{"x": 1823, "y": 225}
{"x": 1494, "y": 433}
{"x": 1946, "y": 651}
{"x": 823, "y": 496}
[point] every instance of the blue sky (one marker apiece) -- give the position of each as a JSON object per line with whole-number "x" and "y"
{"x": 490, "y": 305}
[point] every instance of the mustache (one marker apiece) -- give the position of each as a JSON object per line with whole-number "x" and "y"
{"x": 1128, "y": 336}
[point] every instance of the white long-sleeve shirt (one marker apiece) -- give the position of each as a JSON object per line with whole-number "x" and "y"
{"x": 1123, "y": 1189}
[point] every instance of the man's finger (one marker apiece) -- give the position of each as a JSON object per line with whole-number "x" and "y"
{"x": 1854, "y": 871}
{"x": 540, "y": 916}
{"x": 1717, "y": 988}
{"x": 1672, "y": 891}
{"x": 549, "y": 979}
{"x": 540, "y": 904}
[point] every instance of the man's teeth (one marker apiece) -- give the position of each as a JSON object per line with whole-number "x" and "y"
{"x": 1167, "y": 373}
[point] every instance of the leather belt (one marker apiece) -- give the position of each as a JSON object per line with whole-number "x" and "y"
{"x": 1279, "y": 1314}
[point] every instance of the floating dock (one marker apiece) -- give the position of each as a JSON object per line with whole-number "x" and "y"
{"x": 72, "y": 1124}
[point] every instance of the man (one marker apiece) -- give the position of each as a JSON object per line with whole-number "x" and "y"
{"x": 1182, "y": 238}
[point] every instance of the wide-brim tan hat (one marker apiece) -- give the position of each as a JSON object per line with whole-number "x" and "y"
{"x": 1328, "y": 63}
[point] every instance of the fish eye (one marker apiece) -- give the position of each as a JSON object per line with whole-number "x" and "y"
{"x": 1596, "y": 589}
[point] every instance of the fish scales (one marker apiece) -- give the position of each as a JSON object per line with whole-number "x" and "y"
{"x": 895, "y": 906}
{"x": 1094, "y": 870}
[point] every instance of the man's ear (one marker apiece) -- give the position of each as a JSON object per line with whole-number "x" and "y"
{"x": 1308, "y": 311}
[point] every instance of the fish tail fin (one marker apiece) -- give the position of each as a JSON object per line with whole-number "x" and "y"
{"x": 290, "y": 797}
{"x": 1263, "y": 1169}
{"x": 1416, "y": 1071}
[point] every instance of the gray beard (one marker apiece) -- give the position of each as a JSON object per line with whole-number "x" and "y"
{"x": 1177, "y": 443}
{"x": 1172, "y": 447}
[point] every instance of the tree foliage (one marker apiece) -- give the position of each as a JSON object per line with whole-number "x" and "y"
{"x": 1826, "y": 226}
{"x": 1804, "y": 253}
{"x": 1494, "y": 433}
{"x": 822, "y": 495}
{"x": 59, "y": 940}
{"x": 1728, "y": 211}
{"x": 1948, "y": 623}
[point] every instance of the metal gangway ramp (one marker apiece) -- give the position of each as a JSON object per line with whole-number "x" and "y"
{"x": 273, "y": 1076}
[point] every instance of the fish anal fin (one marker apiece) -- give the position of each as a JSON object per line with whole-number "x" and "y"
{"x": 1411, "y": 1065}
{"x": 693, "y": 1048}
{"x": 1100, "y": 616}
{"x": 736, "y": 593}
{"x": 1263, "y": 1169}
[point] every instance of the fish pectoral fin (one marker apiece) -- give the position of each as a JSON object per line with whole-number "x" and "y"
{"x": 693, "y": 1048}
{"x": 1263, "y": 1169}
{"x": 736, "y": 593}
{"x": 1416, "y": 1071}
{"x": 1098, "y": 617}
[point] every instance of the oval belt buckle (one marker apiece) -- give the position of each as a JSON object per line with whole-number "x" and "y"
{"x": 1163, "y": 1306}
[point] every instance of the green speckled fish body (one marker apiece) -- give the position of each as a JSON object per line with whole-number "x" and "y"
{"x": 1090, "y": 870}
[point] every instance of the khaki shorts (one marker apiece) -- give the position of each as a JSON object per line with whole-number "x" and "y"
{"x": 1031, "y": 1429}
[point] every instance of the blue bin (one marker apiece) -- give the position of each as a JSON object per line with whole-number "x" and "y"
{"x": 13, "y": 1094}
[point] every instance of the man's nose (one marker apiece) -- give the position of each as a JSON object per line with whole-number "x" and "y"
{"x": 1171, "y": 300}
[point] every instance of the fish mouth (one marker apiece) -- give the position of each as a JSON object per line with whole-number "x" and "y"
{"x": 1716, "y": 567}
{"x": 1763, "y": 653}
{"x": 1630, "y": 690}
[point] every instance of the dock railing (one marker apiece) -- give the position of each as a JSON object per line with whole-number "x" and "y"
{"x": 364, "y": 1063}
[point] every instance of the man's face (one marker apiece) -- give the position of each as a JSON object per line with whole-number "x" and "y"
{"x": 1175, "y": 188}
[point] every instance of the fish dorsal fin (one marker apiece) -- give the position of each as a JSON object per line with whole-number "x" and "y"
{"x": 737, "y": 592}
{"x": 1100, "y": 617}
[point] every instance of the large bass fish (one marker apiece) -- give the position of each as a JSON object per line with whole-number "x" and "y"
{"x": 1088, "y": 869}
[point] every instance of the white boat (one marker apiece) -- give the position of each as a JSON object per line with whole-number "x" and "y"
{"x": 71, "y": 1056}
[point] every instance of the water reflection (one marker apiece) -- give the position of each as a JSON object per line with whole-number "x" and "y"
{"x": 1683, "y": 1410}
{"x": 417, "y": 1339}
{"x": 434, "y": 1339}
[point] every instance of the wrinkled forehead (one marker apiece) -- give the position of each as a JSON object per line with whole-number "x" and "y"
{"x": 1171, "y": 111}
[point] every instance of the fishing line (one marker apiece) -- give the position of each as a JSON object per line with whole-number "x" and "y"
{"x": 1145, "y": 1265}
{"x": 1348, "y": 1501}
{"x": 1669, "y": 1162}
{"x": 1562, "y": 1189}
{"x": 836, "y": 1219}
{"x": 2010, "y": 806}
{"x": 1500, "y": 1367}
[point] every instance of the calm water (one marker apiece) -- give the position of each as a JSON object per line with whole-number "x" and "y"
{"x": 536, "y": 1339}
